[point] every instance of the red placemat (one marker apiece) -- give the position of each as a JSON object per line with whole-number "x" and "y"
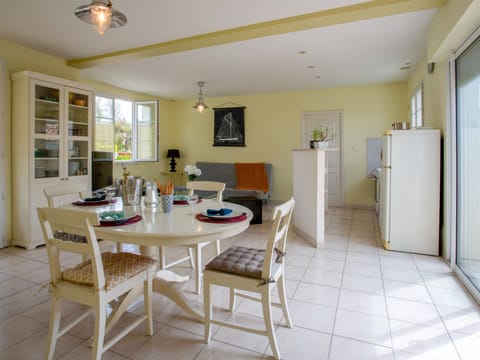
{"x": 201, "y": 217}
{"x": 94, "y": 203}
{"x": 129, "y": 221}
{"x": 185, "y": 202}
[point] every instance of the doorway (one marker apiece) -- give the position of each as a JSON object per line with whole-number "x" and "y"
{"x": 466, "y": 137}
{"x": 333, "y": 120}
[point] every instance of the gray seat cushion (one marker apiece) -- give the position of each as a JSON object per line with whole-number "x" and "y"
{"x": 240, "y": 261}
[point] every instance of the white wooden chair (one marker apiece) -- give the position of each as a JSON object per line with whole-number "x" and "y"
{"x": 58, "y": 195}
{"x": 102, "y": 279}
{"x": 196, "y": 258}
{"x": 253, "y": 270}
{"x": 62, "y": 194}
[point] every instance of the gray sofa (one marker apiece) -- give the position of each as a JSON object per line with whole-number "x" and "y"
{"x": 225, "y": 172}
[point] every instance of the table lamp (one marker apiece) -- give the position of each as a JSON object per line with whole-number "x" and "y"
{"x": 173, "y": 153}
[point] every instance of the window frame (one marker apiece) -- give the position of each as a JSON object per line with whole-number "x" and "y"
{"x": 135, "y": 104}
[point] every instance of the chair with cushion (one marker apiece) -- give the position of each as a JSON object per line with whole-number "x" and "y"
{"x": 253, "y": 270}
{"x": 192, "y": 186}
{"x": 118, "y": 278}
{"x": 65, "y": 193}
{"x": 60, "y": 195}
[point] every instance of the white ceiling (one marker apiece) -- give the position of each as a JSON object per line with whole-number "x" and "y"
{"x": 352, "y": 53}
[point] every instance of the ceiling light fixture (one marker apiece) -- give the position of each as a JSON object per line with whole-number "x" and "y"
{"x": 200, "y": 105}
{"x": 101, "y": 15}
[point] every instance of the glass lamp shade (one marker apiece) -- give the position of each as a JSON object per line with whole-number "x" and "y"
{"x": 200, "y": 106}
{"x": 101, "y": 16}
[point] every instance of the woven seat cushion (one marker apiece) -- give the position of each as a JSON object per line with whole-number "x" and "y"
{"x": 239, "y": 260}
{"x": 69, "y": 237}
{"x": 117, "y": 267}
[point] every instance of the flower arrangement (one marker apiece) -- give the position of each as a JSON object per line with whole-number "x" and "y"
{"x": 192, "y": 172}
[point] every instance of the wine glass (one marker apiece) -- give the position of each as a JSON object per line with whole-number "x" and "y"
{"x": 192, "y": 200}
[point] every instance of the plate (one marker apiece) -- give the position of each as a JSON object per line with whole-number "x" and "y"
{"x": 228, "y": 216}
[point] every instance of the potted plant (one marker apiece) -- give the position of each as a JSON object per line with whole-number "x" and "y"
{"x": 320, "y": 137}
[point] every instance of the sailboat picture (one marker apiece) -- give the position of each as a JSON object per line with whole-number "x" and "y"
{"x": 229, "y": 127}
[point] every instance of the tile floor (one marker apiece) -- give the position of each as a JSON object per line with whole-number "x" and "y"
{"x": 348, "y": 300}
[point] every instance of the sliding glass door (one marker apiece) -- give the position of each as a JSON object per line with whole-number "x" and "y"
{"x": 467, "y": 98}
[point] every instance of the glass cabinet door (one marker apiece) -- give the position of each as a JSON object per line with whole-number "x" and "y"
{"x": 47, "y": 129}
{"x": 77, "y": 132}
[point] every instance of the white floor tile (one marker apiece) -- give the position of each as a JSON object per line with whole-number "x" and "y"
{"x": 322, "y": 277}
{"x": 468, "y": 346}
{"x": 363, "y": 283}
{"x": 431, "y": 342}
{"x": 414, "y": 312}
{"x": 312, "y": 316}
{"x": 369, "y": 328}
{"x": 465, "y": 321}
{"x": 317, "y": 294}
{"x": 356, "y": 268}
{"x": 362, "y": 302}
{"x": 408, "y": 291}
{"x": 299, "y": 343}
{"x": 348, "y": 349}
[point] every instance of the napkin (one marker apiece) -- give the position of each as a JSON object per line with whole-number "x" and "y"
{"x": 112, "y": 215}
{"x": 223, "y": 211}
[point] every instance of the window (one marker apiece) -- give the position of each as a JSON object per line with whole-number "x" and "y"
{"x": 127, "y": 128}
{"x": 416, "y": 107}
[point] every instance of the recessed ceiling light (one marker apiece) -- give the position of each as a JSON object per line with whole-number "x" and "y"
{"x": 405, "y": 66}
{"x": 302, "y": 52}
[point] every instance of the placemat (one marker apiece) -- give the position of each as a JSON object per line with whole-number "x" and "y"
{"x": 185, "y": 202}
{"x": 203, "y": 218}
{"x": 94, "y": 203}
{"x": 128, "y": 221}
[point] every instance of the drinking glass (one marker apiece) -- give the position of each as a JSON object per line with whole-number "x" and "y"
{"x": 192, "y": 200}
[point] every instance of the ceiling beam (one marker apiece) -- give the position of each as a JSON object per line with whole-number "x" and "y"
{"x": 346, "y": 14}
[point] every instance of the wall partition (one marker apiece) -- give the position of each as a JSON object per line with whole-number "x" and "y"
{"x": 466, "y": 152}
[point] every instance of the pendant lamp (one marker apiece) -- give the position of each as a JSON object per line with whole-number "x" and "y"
{"x": 101, "y": 15}
{"x": 200, "y": 105}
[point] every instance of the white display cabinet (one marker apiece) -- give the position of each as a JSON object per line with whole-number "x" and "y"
{"x": 51, "y": 144}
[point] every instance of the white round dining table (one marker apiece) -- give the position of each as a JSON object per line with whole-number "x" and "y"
{"x": 179, "y": 227}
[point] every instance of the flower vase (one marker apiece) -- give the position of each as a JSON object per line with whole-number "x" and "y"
{"x": 191, "y": 177}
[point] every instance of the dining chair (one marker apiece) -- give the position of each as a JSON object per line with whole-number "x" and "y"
{"x": 195, "y": 258}
{"x": 255, "y": 271}
{"x": 118, "y": 278}
{"x": 62, "y": 194}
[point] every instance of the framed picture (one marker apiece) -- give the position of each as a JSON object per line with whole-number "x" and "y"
{"x": 229, "y": 127}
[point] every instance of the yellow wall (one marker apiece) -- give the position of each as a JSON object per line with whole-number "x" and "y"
{"x": 273, "y": 128}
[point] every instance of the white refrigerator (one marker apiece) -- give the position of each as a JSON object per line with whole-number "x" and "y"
{"x": 410, "y": 191}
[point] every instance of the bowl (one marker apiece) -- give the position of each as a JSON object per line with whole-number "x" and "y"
{"x": 80, "y": 102}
